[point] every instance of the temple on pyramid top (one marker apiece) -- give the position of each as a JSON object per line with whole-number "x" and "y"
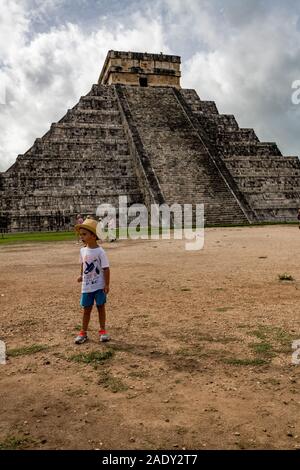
{"x": 142, "y": 69}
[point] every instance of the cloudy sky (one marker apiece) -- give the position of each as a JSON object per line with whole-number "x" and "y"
{"x": 243, "y": 54}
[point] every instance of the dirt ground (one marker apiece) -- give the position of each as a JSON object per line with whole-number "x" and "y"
{"x": 201, "y": 349}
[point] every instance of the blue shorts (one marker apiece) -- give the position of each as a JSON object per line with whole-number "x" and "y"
{"x": 88, "y": 298}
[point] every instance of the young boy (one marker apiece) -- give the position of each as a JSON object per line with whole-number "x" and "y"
{"x": 94, "y": 278}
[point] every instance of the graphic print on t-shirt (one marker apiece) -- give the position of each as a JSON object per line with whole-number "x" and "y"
{"x": 90, "y": 267}
{"x": 93, "y": 262}
{"x": 91, "y": 271}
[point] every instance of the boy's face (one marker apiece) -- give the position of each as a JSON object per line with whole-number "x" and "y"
{"x": 87, "y": 236}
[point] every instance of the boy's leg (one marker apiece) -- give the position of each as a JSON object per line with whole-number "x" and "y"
{"x": 102, "y": 316}
{"x": 86, "y": 318}
{"x": 82, "y": 337}
{"x": 100, "y": 298}
{"x": 103, "y": 335}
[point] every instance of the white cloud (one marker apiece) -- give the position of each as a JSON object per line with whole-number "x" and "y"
{"x": 49, "y": 74}
{"x": 13, "y": 27}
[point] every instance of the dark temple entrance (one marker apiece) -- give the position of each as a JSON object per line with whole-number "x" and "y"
{"x": 143, "y": 81}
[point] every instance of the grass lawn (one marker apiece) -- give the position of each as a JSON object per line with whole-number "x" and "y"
{"x": 10, "y": 238}
{"x": 27, "y": 237}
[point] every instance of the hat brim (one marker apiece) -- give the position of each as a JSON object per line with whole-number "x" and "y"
{"x": 85, "y": 227}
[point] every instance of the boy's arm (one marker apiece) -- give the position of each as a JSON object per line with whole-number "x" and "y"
{"x": 106, "y": 273}
{"x": 81, "y": 272}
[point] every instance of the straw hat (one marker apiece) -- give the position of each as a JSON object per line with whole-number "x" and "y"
{"x": 88, "y": 224}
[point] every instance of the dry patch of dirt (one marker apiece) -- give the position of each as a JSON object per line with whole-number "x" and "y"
{"x": 201, "y": 350}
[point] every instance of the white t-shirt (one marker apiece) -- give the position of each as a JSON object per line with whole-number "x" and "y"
{"x": 93, "y": 260}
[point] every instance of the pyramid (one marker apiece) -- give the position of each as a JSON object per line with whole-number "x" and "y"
{"x": 138, "y": 134}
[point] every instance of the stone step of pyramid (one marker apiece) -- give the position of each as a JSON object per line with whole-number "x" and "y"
{"x": 101, "y": 113}
{"x": 249, "y": 148}
{"x": 262, "y": 160}
{"x": 237, "y": 135}
{"x": 205, "y": 107}
{"x": 97, "y": 102}
{"x": 197, "y": 105}
{"x": 123, "y": 170}
{"x": 72, "y": 161}
{"x": 269, "y": 167}
{"x": 60, "y": 198}
{"x": 42, "y": 192}
{"x": 281, "y": 182}
{"x": 61, "y": 146}
{"x": 218, "y": 121}
{"x": 288, "y": 201}
{"x": 259, "y": 173}
{"x": 101, "y": 90}
{"x": 70, "y": 130}
{"x": 83, "y": 126}
{"x": 83, "y": 194}
{"x": 83, "y": 142}
{"x": 290, "y": 195}
{"x": 93, "y": 116}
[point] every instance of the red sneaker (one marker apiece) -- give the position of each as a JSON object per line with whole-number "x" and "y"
{"x": 103, "y": 336}
{"x": 81, "y": 338}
